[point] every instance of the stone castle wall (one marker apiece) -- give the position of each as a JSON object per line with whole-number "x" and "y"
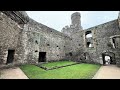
{"x": 41, "y": 38}
{"x": 28, "y": 37}
{"x": 9, "y": 37}
{"x": 100, "y": 40}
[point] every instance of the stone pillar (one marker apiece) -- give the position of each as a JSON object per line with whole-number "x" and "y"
{"x": 117, "y": 57}
{"x": 21, "y": 50}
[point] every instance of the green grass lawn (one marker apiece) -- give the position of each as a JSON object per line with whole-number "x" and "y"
{"x": 79, "y": 71}
{"x": 57, "y": 64}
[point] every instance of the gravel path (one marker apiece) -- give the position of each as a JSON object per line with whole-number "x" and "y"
{"x": 12, "y": 73}
{"x": 108, "y": 72}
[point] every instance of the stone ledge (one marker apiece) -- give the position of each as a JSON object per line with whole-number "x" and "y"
{"x": 56, "y": 67}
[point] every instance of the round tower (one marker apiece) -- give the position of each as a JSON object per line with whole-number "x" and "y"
{"x": 76, "y": 19}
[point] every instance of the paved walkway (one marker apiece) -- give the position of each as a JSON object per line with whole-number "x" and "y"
{"x": 12, "y": 73}
{"x": 108, "y": 72}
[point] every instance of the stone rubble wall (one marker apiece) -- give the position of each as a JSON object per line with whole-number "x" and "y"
{"x": 9, "y": 37}
{"x": 30, "y": 37}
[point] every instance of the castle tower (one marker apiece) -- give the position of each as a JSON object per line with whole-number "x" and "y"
{"x": 76, "y": 20}
{"x": 75, "y": 25}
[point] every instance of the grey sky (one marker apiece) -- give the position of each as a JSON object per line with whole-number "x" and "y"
{"x": 59, "y": 19}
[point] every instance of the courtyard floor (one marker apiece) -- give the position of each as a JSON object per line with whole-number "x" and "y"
{"x": 105, "y": 72}
{"x": 108, "y": 72}
{"x": 76, "y": 71}
{"x": 12, "y": 73}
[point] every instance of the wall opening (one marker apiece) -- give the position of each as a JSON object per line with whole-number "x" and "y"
{"x": 42, "y": 57}
{"x": 108, "y": 58}
{"x": 89, "y": 39}
{"x": 10, "y": 57}
{"x": 36, "y": 41}
{"x": 88, "y": 34}
{"x": 48, "y": 44}
{"x": 113, "y": 40}
{"x": 89, "y": 44}
{"x": 36, "y": 50}
{"x": 84, "y": 55}
{"x": 70, "y": 53}
{"x": 116, "y": 42}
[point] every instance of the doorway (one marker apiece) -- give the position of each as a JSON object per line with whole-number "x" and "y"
{"x": 108, "y": 58}
{"x": 10, "y": 56}
{"x": 42, "y": 57}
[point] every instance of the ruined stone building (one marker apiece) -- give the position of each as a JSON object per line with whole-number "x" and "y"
{"x": 23, "y": 40}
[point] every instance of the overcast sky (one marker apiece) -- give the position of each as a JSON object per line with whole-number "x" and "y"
{"x": 59, "y": 19}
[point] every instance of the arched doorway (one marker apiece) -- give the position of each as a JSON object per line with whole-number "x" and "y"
{"x": 108, "y": 58}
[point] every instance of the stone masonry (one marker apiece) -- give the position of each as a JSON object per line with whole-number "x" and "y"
{"x": 32, "y": 42}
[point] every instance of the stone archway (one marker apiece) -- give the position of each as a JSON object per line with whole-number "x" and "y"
{"x": 108, "y": 58}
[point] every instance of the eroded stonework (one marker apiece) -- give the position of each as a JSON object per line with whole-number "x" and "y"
{"x": 23, "y": 40}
